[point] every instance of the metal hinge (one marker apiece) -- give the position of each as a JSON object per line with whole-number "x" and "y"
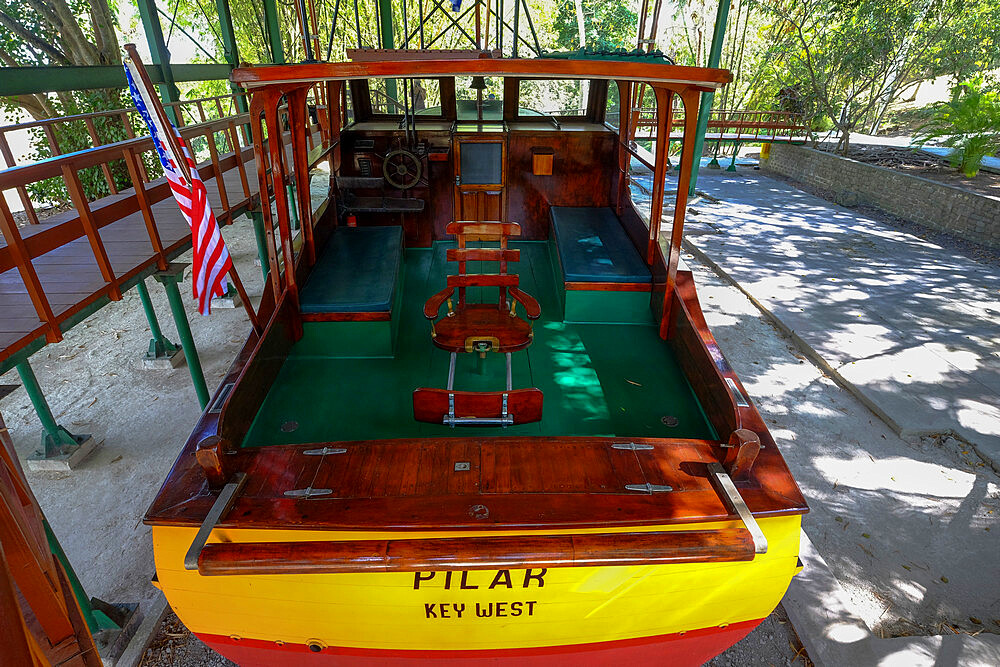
{"x": 649, "y": 488}
{"x": 324, "y": 451}
{"x": 632, "y": 446}
{"x": 307, "y": 492}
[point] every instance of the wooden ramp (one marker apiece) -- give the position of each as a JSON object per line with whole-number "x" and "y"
{"x": 55, "y": 273}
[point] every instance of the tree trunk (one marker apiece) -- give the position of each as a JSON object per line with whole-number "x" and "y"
{"x": 581, "y": 28}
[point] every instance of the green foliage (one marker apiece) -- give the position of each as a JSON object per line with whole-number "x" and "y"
{"x": 849, "y": 59}
{"x": 969, "y": 123}
{"x": 970, "y": 45}
{"x": 607, "y": 25}
{"x": 74, "y": 136}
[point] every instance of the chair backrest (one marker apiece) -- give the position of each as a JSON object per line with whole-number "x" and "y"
{"x": 466, "y": 232}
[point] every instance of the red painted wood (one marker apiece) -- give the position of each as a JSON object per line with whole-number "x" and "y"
{"x": 483, "y": 229}
{"x": 431, "y": 405}
{"x": 531, "y": 307}
{"x": 483, "y": 280}
{"x": 433, "y": 304}
{"x": 674, "y": 75}
{"x": 607, "y": 287}
{"x": 482, "y": 254}
{"x": 693, "y": 648}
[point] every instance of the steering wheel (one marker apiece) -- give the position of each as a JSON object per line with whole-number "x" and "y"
{"x": 402, "y": 169}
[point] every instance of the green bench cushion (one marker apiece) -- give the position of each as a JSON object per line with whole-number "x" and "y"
{"x": 593, "y": 247}
{"x": 356, "y": 273}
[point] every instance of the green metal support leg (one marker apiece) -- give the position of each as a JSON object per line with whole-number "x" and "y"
{"x": 258, "y": 229}
{"x": 97, "y": 620}
{"x": 294, "y": 205}
{"x": 170, "y": 279}
{"x": 57, "y": 442}
{"x": 161, "y": 350}
{"x": 736, "y": 152}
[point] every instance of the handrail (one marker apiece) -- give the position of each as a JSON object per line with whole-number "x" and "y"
{"x": 109, "y": 113}
{"x": 91, "y": 157}
{"x": 477, "y": 553}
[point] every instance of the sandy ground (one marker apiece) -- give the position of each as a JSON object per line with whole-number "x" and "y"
{"x": 94, "y": 384}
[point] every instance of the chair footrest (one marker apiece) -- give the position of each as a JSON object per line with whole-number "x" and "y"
{"x": 477, "y": 408}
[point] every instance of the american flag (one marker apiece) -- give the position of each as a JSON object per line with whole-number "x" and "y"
{"x": 211, "y": 257}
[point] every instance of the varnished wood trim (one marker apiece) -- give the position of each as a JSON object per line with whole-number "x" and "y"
{"x": 524, "y": 67}
{"x": 477, "y": 553}
{"x": 377, "y": 316}
{"x": 607, "y": 287}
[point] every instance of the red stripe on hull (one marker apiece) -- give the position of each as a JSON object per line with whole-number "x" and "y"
{"x": 690, "y": 648}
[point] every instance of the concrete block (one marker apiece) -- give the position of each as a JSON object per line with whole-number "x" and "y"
{"x": 37, "y": 462}
{"x": 163, "y": 363}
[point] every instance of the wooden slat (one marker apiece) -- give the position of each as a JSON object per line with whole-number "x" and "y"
{"x": 482, "y": 254}
{"x": 483, "y": 280}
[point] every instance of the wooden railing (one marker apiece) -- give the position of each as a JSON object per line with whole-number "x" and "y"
{"x": 40, "y": 619}
{"x": 746, "y": 124}
{"x": 87, "y": 218}
{"x": 117, "y": 125}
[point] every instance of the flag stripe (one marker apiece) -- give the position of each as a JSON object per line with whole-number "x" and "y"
{"x": 211, "y": 257}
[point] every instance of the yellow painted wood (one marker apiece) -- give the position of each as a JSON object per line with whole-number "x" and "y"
{"x": 386, "y": 611}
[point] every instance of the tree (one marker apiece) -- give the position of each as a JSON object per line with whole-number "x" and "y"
{"x": 607, "y": 25}
{"x": 58, "y": 32}
{"x": 849, "y": 58}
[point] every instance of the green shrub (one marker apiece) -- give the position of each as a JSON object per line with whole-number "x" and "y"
{"x": 969, "y": 123}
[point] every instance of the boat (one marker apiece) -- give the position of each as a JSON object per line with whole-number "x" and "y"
{"x": 484, "y": 420}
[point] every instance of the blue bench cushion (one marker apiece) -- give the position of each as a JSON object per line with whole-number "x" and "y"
{"x": 593, "y": 247}
{"x": 356, "y": 273}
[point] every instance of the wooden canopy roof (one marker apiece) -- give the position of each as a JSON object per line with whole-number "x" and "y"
{"x": 558, "y": 68}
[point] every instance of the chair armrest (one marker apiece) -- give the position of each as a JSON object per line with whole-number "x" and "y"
{"x": 531, "y": 307}
{"x": 433, "y": 304}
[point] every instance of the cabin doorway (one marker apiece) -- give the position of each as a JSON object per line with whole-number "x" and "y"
{"x": 480, "y": 164}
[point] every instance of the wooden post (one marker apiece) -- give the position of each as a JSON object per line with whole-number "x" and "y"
{"x": 690, "y": 98}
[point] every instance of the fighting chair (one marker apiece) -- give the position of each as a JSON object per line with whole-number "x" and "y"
{"x": 480, "y": 328}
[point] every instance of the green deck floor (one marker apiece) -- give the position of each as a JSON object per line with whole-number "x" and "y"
{"x": 598, "y": 379}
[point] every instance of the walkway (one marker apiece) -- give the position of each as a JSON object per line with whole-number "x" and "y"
{"x": 68, "y": 258}
{"x": 912, "y": 328}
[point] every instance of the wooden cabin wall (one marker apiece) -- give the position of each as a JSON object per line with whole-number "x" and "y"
{"x": 420, "y": 229}
{"x": 583, "y": 167}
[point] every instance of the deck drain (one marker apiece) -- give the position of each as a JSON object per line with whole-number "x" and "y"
{"x": 669, "y": 420}
{"x": 289, "y": 426}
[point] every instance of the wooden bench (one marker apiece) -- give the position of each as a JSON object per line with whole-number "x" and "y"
{"x": 351, "y": 297}
{"x": 602, "y": 275}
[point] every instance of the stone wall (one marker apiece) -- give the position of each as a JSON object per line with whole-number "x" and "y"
{"x": 969, "y": 215}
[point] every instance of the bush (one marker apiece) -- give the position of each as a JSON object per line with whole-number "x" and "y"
{"x": 969, "y": 123}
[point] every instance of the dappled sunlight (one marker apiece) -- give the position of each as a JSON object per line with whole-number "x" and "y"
{"x": 903, "y": 321}
{"x": 898, "y": 475}
{"x": 979, "y": 416}
{"x": 909, "y": 366}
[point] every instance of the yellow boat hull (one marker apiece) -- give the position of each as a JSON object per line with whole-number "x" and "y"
{"x": 485, "y": 612}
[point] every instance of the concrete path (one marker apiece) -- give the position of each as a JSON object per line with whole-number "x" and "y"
{"x": 899, "y": 539}
{"x": 911, "y": 327}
